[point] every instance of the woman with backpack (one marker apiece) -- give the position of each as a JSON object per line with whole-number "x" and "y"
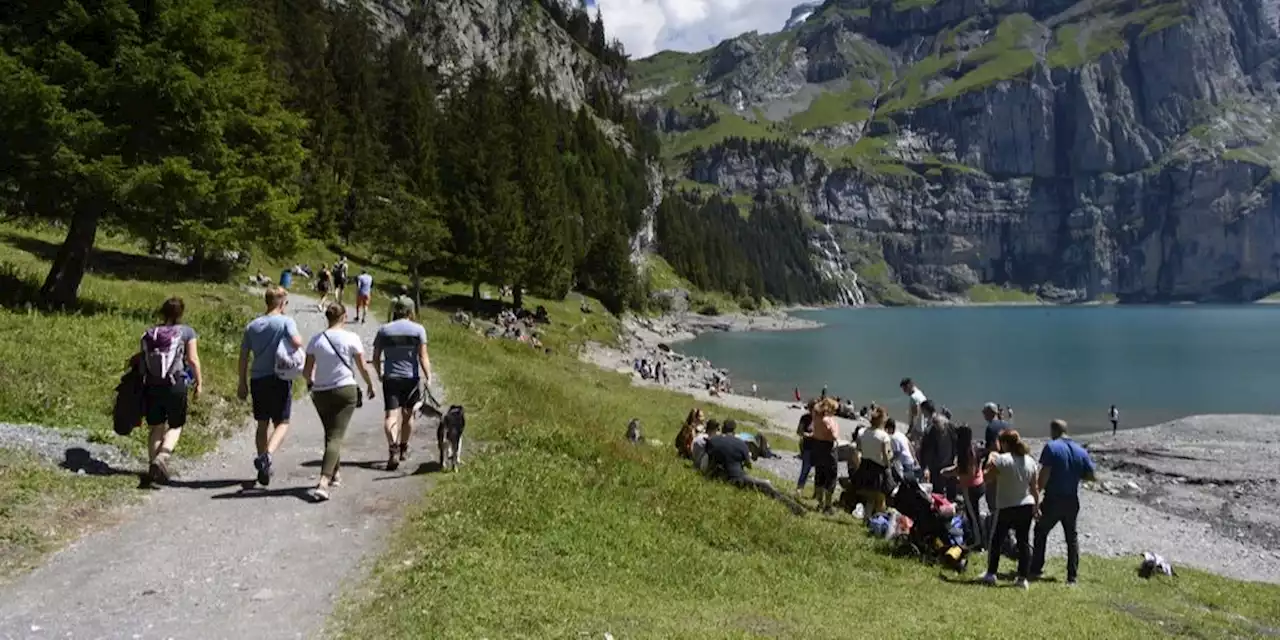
{"x": 333, "y": 356}
{"x": 324, "y": 283}
{"x": 170, "y": 367}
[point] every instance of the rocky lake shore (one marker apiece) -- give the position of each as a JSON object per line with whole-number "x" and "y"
{"x": 1203, "y": 491}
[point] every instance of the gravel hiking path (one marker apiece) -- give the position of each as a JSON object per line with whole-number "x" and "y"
{"x": 206, "y": 559}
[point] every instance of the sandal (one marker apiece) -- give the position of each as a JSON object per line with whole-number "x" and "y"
{"x": 318, "y": 494}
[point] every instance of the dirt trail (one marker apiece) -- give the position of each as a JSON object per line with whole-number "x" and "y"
{"x": 205, "y": 559}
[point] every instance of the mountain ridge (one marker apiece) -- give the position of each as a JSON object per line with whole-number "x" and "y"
{"x": 1076, "y": 150}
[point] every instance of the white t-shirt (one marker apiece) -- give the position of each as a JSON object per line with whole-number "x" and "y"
{"x": 330, "y": 372}
{"x": 902, "y": 449}
{"x": 1115, "y": 414}
{"x": 917, "y": 399}
{"x": 871, "y": 443}
{"x": 1013, "y": 483}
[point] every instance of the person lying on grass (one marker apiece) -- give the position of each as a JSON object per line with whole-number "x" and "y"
{"x": 729, "y": 457}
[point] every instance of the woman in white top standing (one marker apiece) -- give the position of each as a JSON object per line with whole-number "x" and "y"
{"x": 1017, "y": 501}
{"x": 333, "y": 356}
{"x": 872, "y": 479}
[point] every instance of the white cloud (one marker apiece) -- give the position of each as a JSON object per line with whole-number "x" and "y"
{"x": 646, "y": 27}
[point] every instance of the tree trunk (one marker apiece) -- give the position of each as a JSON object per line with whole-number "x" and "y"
{"x": 475, "y": 297}
{"x": 62, "y": 286}
{"x": 517, "y": 296}
{"x": 417, "y": 291}
{"x": 199, "y": 258}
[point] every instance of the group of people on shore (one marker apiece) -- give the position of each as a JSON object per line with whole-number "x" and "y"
{"x": 719, "y": 451}
{"x": 1018, "y": 491}
{"x": 272, "y": 357}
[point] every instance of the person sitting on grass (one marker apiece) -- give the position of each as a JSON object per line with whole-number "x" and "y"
{"x": 693, "y": 425}
{"x": 729, "y": 458}
{"x": 699, "y": 448}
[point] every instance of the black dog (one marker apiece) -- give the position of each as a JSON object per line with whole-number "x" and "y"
{"x": 449, "y": 436}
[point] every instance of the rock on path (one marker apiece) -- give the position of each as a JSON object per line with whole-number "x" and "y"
{"x": 207, "y": 560}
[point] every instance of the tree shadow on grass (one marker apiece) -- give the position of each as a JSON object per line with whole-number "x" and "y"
{"x": 457, "y": 302}
{"x": 357, "y": 260}
{"x": 107, "y": 263}
{"x": 20, "y": 291}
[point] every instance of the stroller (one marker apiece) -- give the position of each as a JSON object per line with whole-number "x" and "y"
{"x": 935, "y": 536}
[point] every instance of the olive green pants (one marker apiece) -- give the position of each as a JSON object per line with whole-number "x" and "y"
{"x": 335, "y": 407}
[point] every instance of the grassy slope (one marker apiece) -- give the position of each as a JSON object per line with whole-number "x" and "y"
{"x": 990, "y": 293}
{"x": 562, "y": 529}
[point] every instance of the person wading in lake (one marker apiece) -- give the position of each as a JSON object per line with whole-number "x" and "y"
{"x": 1017, "y": 500}
{"x": 1063, "y": 465}
{"x": 168, "y": 354}
{"x": 333, "y": 356}
{"x": 272, "y": 394}
{"x": 915, "y": 416}
{"x": 400, "y": 358}
{"x": 1114, "y": 416}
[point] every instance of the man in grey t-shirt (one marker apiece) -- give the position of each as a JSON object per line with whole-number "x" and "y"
{"x": 272, "y": 396}
{"x": 400, "y": 360}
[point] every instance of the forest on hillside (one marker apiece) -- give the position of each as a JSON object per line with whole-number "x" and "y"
{"x": 213, "y": 128}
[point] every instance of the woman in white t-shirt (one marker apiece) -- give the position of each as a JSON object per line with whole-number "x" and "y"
{"x": 903, "y": 460}
{"x": 875, "y": 452}
{"x": 333, "y": 356}
{"x": 1017, "y": 500}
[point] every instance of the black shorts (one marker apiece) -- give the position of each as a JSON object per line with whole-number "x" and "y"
{"x": 400, "y": 393}
{"x": 167, "y": 405}
{"x": 340, "y": 282}
{"x": 272, "y": 399}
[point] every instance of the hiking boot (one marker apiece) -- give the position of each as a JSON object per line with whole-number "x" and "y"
{"x": 393, "y": 458}
{"x": 263, "y": 464}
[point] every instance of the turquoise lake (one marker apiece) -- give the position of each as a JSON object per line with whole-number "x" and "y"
{"x": 1155, "y": 363}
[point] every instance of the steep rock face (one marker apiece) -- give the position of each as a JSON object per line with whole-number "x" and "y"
{"x": 1026, "y": 154}
{"x": 460, "y": 34}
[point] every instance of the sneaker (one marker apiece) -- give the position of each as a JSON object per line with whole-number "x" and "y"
{"x": 336, "y": 481}
{"x": 404, "y": 452}
{"x": 988, "y": 579}
{"x": 263, "y": 464}
{"x": 318, "y": 494}
{"x": 155, "y": 475}
{"x": 1022, "y": 583}
{"x": 393, "y": 458}
{"x": 1071, "y": 582}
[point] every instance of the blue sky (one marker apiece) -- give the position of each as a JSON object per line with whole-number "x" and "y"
{"x": 648, "y": 26}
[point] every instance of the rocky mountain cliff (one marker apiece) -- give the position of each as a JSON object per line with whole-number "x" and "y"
{"x": 1074, "y": 150}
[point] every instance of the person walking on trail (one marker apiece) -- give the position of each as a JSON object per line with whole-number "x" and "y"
{"x": 333, "y": 357}
{"x": 1017, "y": 501}
{"x": 403, "y": 299}
{"x": 340, "y": 278}
{"x": 400, "y": 358}
{"x": 266, "y": 340}
{"x": 1114, "y": 416}
{"x": 364, "y": 289}
{"x": 1063, "y": 465}
{"x": 170, "y": 366}
{"x": 916, "y": 424}
{"x": 324, "y": 284}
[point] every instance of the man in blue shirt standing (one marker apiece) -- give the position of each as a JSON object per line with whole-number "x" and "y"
{"x": 1063, "y": 464}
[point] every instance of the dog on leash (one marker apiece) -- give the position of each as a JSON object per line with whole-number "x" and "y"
{"x": 449, "y": 436}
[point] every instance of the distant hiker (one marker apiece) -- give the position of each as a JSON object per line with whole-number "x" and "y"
{"x": 1017, "y": 500}
{"x": 822, "y": 450}
{"x": 324, "y": 284}
{"x": 364, "y": 289}
{"x": 698, "y": 448}
{"x": 403, "y": 300}
{"x": 273, "y": 341}
{"x": 804, "y": 429}
{"x": 170, "y": 366}
{"x": 403, "y": 342}
{"x": 915, "y": 416}
{"x": 755, "y": 391}
{"x": 728, "y": 457}
{"x": 1114, "y": 416}
{"x": 1063, "y": 465}
{"x": 333, "y": 356}
{"x": 874, "y": 453}
{"x": 340, "y": 277}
